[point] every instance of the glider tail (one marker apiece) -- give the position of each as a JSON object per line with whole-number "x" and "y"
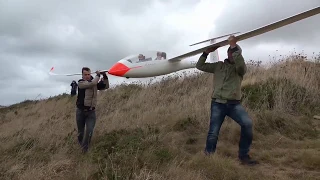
{"x": 54, "y": 74}
{"x": 73, "y": 74}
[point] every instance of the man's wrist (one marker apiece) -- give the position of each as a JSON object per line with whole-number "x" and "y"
{"x": 205, "y": 54}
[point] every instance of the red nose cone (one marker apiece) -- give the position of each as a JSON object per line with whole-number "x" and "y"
{"x": 119, "y": 69}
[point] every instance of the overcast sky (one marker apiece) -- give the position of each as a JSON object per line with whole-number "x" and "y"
{"x": 36, "y": 35}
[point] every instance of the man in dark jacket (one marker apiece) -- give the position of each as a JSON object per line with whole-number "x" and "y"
{"x": 74, "y": 86}
{"x": 226, "y": 98}
{"x": 86, "y": 104}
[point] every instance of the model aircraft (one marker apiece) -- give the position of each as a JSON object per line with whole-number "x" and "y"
{"x": 156, "y": 63}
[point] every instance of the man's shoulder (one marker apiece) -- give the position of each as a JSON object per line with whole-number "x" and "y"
{"x": 218, "y": 63}
{"x": 80, "y": 80}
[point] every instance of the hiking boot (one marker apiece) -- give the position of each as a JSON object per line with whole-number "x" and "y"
{"x": 246, "y": 160}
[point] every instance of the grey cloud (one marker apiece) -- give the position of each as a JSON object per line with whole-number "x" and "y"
{"x": 19, "y": 17}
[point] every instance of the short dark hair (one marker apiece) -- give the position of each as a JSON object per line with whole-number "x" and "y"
{"x": 85, "y": 69}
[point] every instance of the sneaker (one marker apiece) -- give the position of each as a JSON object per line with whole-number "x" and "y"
{"x": 246, "y": 160}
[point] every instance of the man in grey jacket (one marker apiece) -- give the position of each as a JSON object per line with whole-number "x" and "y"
{"x": 86, "y": 104}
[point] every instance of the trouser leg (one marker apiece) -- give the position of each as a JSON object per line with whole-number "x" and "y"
{"x": 80, "y": 120}
{"x": 218, "y": 113}
{"x": 239, "y": 114}
{"x": 90, "y": 124}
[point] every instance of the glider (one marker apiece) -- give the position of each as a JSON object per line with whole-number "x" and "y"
{"x": 156, "y": 63}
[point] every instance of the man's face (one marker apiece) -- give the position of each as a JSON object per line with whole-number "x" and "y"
{"x": 86, "y": 75}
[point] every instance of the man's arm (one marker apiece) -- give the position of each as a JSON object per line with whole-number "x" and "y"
{"x": 86, "y": 84}
{"x": 206, "y": 67}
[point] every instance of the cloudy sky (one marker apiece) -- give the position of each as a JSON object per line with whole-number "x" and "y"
{"x": 36, "y": 35}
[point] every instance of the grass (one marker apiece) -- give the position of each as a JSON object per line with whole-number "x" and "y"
{"x": 159, "y": 131}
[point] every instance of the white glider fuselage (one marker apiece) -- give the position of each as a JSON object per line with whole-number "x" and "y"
{"x": 155, "y": 63}
{"x": 148, "y": 64}
{"x": 155, "y": 68}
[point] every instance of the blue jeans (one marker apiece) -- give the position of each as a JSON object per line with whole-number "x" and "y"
{"x": 238, "y": 114}
{"x": 85, "y": 119}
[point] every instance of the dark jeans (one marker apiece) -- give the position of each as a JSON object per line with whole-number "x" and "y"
{"x": 85, "y": 119}
{"x": 238, "y": 114}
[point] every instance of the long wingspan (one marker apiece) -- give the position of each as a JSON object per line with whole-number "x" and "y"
{"x": 74, "y": 74}
{"x": 254, "y": 32}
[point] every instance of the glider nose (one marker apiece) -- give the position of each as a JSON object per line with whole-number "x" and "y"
{"x": 118, "y": 69}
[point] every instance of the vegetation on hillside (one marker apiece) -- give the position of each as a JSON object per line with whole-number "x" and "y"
{"x": 159, "y": 131}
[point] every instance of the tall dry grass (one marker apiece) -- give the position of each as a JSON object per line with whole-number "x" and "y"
{"x": 159, "y": 131}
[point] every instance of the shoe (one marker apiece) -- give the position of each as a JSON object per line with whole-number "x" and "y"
{"x": 80, "y": 140}
{"x": 206, "y": 153}
{"x": 246, "y": 160}
{"x": 84, "y": 149}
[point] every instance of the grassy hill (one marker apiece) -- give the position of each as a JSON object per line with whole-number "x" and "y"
{"x": 159, "y": 132}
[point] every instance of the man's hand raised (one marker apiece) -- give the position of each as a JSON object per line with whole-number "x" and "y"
{"x": 209, "y": 50}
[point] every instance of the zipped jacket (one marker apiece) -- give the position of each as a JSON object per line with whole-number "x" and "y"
{"x": 87, "y": 92}
{"x": 228, "y": 75}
